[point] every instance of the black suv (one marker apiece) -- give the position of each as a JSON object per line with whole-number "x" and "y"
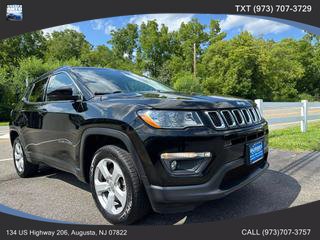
{"x": 137, "y": 142}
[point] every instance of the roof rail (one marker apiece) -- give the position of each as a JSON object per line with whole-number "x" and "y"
{"x": 50, "y": 72}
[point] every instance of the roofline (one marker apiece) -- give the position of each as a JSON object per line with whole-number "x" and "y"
{"x": 69, "y": 68}
{"x": 50, "y": 72}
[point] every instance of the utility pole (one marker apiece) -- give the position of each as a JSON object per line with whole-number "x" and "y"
{"x": 194, "y": 60}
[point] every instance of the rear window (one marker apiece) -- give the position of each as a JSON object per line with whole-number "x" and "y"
{"x": 37, "y": 92}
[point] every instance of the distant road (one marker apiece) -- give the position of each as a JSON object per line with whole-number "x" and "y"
{"x": 277, "y": 117}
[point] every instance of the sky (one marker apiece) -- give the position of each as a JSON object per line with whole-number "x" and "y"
{"x": 98, "y": 31}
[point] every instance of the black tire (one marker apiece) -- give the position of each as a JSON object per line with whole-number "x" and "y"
{"x": 137, "y": 203}
{"x": 29, "y": 169}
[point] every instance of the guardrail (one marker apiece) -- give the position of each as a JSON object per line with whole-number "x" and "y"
{"x": 304, "y": 107}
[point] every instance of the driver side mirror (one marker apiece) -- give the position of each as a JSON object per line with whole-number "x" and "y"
{"x": 62, "y": 94}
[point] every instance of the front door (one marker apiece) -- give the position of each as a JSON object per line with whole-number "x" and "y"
{"x": 61, "y": 122}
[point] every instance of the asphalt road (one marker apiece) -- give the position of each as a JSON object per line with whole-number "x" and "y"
{"x": 293, "y": 179}
{"x": 277, "y": 117}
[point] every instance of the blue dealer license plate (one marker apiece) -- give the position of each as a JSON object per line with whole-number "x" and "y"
{"x": 256, "y": 152}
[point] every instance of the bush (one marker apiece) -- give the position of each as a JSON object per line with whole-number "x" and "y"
{"x": 185, "y": 82}
{"x": 310, "y": 98}
{"x": 6, "y": 95}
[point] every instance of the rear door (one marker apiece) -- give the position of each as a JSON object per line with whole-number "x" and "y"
{"x": 32, "y": 116}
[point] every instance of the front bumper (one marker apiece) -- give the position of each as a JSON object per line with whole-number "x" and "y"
{"x": 230, "y": 177}
{"x": 226, "y": 172}
{"x": 225, "y": 147}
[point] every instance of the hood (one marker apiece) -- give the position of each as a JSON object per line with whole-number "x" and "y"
{"x": 173, "y": 100}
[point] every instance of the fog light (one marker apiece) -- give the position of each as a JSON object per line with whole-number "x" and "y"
{"x": 173, "y": 165}
{"x": 186, "y": 163}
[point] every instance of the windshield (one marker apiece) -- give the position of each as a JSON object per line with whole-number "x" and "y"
{"x": 104, "y": 81}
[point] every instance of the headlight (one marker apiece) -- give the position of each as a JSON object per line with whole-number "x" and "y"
{"x": 170, "y": 119}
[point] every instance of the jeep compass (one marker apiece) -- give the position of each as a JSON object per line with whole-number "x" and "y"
{"x": 138, "y": 143}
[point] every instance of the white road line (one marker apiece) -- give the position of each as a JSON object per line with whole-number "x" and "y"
{"x": 7, "y": 159}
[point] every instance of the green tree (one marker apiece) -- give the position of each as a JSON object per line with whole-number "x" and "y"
{"x": 18, "y": 47}
{"x": 311, "y": 37}
{"x": 189, "y": 34}
{"x": 155, "y": 46}
{"x": 6, "y": 94}
{"x": 66, "y": 45}
{"x": 231, "y": 66}
{"x": 124, "y": 41}
{"x": 101, "y": 56}
{"x": 185, "y": 82}
{"x": 215, "y": 32}
{"x": 280, "y": 70}
{"x": 308, "y": 54}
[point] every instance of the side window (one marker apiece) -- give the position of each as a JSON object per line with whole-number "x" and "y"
{"x": 61, "y": 81}
{"x": 37, "y": 92}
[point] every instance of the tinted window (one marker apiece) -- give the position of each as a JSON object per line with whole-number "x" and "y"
{"x": 109, "y": 81}
{"x": 38, "y": 91}
{"x": 60, "y": 81}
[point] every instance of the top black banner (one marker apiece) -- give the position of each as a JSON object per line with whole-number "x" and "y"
{"x": 39, "y": 14}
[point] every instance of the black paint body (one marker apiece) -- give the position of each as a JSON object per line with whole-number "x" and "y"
{"x": 55, "y": 133}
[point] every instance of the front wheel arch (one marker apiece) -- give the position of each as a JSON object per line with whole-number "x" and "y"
{"x": 13, "y": 136}
{"x": 115, "y": 134}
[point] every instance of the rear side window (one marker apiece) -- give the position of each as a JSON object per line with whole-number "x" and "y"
{"x": 38, "y": 91}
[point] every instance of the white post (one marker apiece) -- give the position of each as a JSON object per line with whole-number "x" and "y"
{"x": 259, "y": 103}
{"x": 304, "y": 116}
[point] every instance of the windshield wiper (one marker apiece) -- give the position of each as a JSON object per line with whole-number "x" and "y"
{"x": 104, "y": 93}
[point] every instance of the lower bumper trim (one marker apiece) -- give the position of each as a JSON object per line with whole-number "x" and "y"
{"x": 202, "y": 192}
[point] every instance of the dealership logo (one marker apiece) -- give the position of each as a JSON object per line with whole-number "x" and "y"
{"x": 14, "y": 12}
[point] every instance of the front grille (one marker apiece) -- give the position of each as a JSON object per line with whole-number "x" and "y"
{"x": 233, "y": 118}
{"x": 234, "y": 139}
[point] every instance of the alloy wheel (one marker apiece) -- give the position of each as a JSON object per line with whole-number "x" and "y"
{"x": 18, "y": 157}
{"x": 110, "y": 186}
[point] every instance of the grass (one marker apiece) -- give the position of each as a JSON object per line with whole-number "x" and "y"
{"x": 293, "y": 139}
{"x": 4, "y": 123}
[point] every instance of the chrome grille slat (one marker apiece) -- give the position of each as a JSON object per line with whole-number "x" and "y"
{"x": 253, "y": 115}
{"x": 215, "y": 118}
{"x": 228, "y": 117}
{"x": 247, "y": 115}
{"x": 239, "y": 117}
{"x": 258, "y": 113}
